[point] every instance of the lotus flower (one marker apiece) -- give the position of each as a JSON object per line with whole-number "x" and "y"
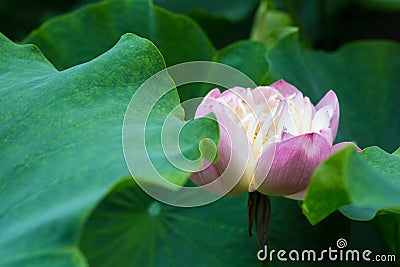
{"x": 271, "y": 139}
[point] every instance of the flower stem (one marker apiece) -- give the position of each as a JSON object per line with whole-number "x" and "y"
{"x": 259, "y": 210}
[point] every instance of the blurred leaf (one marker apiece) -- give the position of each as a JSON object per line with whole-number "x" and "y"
{"x": 248, "y": 57}
{"x": 271, "y": 25}
{"x": 19, "y": 17}
{"x": 326, "y": 24}
{"x": 368, "y": 181}
{"x": 364, "y": 76}
{"x": 136, "y": 230}
{"x": 221, "y": 31}
{"x": 388, "y": 225}
{"x": 232, "y": 10}
{"x": 315, "y": 18}
{"x": 93, "y": 29}
{"x": 387, "y": 5}
{"x": 224, "y": 21}
{"x": 60, "y": 144}
{"x": 243, "y": 56}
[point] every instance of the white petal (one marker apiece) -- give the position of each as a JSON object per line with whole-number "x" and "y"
{"x": 286, "y": 121}
{"x": 322, "y": 118}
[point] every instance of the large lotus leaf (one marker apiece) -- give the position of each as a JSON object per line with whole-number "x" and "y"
{"x": 177, "y": 37}
{"x": 60, "y": 145}
{"x": 368, "y": 181}
{"x": 83, "y": 34}
{"x": 136, "y": 230}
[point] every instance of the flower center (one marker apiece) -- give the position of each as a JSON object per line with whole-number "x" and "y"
{"x": 266, "y": 116}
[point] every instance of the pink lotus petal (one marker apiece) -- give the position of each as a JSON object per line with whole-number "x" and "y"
{"x": 214, "y": 93}
{"x": 211, "y": 180}
{"x": 286, "y": 136}
{"x": 231, "y": 173}
{"x": 208, "y": 174}
{"x": 331, "y": 99}
{"x": 300, "y": 195}
{"x": 205, "y": 106}
{"x": 294, "y": 161}
{"x": 285, "y": 88}
{"x": 341, "y": 145}
{"x": 237, "y": 91}
{"x": 226, "y": 128}
{"x": 327, "y": 133}
{"x": 235, "y": 155}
